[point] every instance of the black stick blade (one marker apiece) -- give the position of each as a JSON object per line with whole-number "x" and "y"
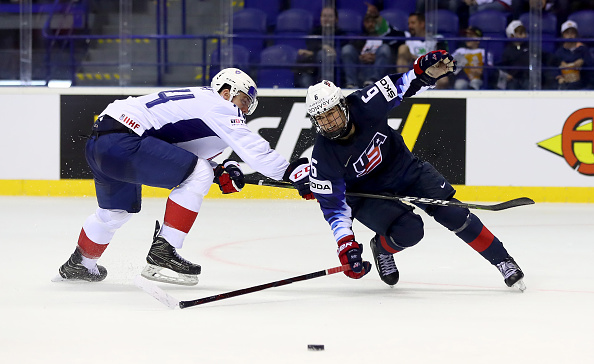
{"x": 522, "y": 201}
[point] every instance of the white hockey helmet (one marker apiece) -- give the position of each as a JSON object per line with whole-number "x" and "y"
{"x": 322, "y": 98}
{"x": 239, "y": 81}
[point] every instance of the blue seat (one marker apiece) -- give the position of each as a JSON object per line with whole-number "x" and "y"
{"x": 350, "y": 21}
{"x": 314, "y": 7}
{"x": 250, "y": 22}
{"x": 448, "y": 25}
{"x": 276, "y": 67}
{"x": 549, "y": 30}
{"x": 585, "y": 22}
{"x": 271, "y": 7}
{"x": 397, "y": 18}
{"x": 241, "y": 58}
{"x": 408, "y": 6}
{"x": 493, "y": 24}
{"x": 489, "y": 21}
{"x": 355, "y": 5}
{"x": 293, "y": 22}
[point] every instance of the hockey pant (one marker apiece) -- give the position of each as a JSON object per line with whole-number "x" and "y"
{"x": 398, "y": 227}
{"x": 181, "y": 210}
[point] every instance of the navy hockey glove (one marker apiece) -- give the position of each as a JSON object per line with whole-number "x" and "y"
{"x": 434, "y": 65}
{"x": 349, "y": 252}
{"x": 298, "y": 174}
{"x": 229, "y": 176}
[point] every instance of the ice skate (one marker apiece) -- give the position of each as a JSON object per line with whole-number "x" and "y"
{"x": 163, "y": 255}
{"x": 512, "y": 273}
{"x": 74, "y": 270}
{"x": 385, "y": 265}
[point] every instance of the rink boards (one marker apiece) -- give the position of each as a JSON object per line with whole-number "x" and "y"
{"x": 491, "y": 145}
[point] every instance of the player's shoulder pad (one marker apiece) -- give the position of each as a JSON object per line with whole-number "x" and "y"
{"x": 229, "y": 112}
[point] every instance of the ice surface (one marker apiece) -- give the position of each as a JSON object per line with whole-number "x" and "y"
{"x": 450, "y": 306}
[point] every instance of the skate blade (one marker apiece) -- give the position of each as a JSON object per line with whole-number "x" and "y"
{"x": 156, "y": 292}
{"x": 520, "y": 285}
{"x": 59, "y": 278}
{"x": 154, "y": 273}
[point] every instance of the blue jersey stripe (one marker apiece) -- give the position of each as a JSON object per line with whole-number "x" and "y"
{"x": 182, "y": 131}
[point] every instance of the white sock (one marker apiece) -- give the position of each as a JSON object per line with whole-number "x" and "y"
{"x": 90, "y": 264}
{"x": 173, "y": 236}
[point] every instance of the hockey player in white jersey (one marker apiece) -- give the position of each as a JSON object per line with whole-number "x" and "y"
{"x": 168, "y": 139}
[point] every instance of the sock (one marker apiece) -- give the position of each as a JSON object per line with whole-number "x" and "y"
{"x": 88, "y": 248}
{"x": 479, "y": 238}
{"x": 386, "y": 245}
{"x": 177, "y": 223}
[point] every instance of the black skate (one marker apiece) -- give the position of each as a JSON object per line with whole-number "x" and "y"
{"x": 385, "y": 265}
{"x": 164, "y": 255}
{"x": 512, "y": 274}
{"x": 74, "y": 270}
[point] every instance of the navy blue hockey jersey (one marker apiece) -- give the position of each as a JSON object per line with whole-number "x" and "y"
{"x": 360, "y": 164}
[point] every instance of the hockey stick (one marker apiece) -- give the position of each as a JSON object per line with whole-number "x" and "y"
{"x": 427, "y": 201}
{"x": 239, "y": 292}
{"x": 171, "y": 302}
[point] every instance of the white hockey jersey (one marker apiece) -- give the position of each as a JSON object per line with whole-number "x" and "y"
{"x": 199, "y": 120}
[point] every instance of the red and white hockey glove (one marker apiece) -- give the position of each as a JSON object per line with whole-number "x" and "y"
{"x": 298, "y": 174}
{"x": 349, "y": 252}
{"x": 229, "y": 176}
{"x": 434, "y": 65}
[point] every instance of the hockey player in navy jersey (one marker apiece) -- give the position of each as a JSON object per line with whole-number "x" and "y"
{"x": 356, "y": 151}
{"x": 168, "y": 139}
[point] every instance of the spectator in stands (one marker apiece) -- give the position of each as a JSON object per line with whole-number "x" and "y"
{"x": 480, "y": 5}
{"x": 557, "y": 7}
{"x": 570, "y": 57}
{"x": 317, "y": 51}
{"x": 516, "y": 56}
{"x": 366, "y": 61}
{"x": 470, "y": 59}
{"x": 414, "y": 48}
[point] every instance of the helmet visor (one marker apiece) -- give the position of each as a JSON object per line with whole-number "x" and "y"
{"x": 253, "y": 95}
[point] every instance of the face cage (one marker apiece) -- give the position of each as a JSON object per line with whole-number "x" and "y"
{"x": 322, "y": 120}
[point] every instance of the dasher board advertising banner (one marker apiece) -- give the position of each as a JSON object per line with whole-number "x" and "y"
{"x": 434, "y": 129}
{"x": 541, "y": 142}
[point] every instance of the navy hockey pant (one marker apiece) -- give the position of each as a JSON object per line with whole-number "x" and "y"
{"x": 398, "y": 227}
{"x": 123, "y": 162}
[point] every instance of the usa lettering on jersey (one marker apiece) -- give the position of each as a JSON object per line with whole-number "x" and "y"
{"x": 371, "y": 157}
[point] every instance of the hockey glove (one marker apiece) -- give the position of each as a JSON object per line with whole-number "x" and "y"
{"x": 298, "y": 174}
{"x": 229, "y": 177}
{"x": 434, "y": 65}
{"x": 349, "y": 252}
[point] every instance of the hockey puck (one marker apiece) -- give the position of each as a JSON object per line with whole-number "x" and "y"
{"x": 315, "y": 347}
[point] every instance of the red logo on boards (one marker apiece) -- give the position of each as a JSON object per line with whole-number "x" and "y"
{"x": 576, "y": 141}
